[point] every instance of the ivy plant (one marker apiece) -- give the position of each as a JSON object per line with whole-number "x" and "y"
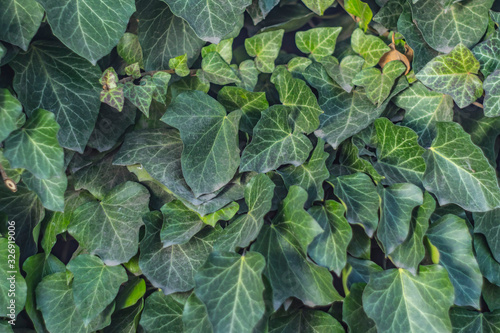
{"x": 249, "y": 166}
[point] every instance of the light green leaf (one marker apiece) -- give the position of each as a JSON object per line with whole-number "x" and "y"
{"x": 284, "y": 246}
{"x": 251, "y": 105}
{"x": 465, "y": 321}
{"x": 265, "y": 48}
{"x": 275, "y": 142}
{"x": 329, "y": 249}
{"x": 91, "y": 28}
{"x": 359, "y": 195}
{"x": 223, "y": 214}
{"x": 173, "y": 268}
{"x": 71, "y": 89}
{"x": 224, "y": 49}
{"x": 35, "y": 148}
{"x": 248, "y": 74}
{"x": 130, "y": 49}
{"x": 360, "y": 10}
{"x": 298, "y": 65}
{"x": 450, "y": 235}
{"x": 231, "y": 287}
{"x": 19, "y": 21}
{"x": 295, "y": 93}
{"x": 379, "y": 84}
{"x": 304, "y": 320}
{"x": 214, "y": 19}
{"x": 487, "y": 224}
{"x": 458, "y": 172}
{"x": 133, "y": 70}
{"x": 50, "y": 190}
{"x": 113, "y": 97}
{"x": 163, "y": 35}
{"x": 398, "y": 153}
{"x": 318, "y": 6}
{"x": 10, "y": 111}
{"x": 353, "y": 313}
{"x": 422, "y": 305}
{"x": 411, "y": 252}
{"x": 492, "y": 100}
{"x": 160, "y": 81}
{"x": 487, "y": 54}
{"x": 444, "y": 27}
{"x": 370, "y": 47}
{"x": 423, "y": 109}
{"x": 344, "y": 72}
{"x": 180, "y": 224}
{"x": 161, "y": 314}
{"x": 195, "y": 316}
{"x": 217, "y": 70}
{"x": 454, "y": 74}
{"x": 179, "y": 64}
{"x": 398, "y": 202}
{"x": 319, "y": 42}
{"x": 8, "y": 269}
{"x": 110, "y": 228}
{"x": 489, "y": 267}
{"x": 245, "y": 228}
{"x": 209, "y": 166}
{"x": 95, "y": 285}
{"x": 132, "y": 293}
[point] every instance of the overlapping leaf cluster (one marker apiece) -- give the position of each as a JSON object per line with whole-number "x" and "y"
{"x": 250, "y": 166}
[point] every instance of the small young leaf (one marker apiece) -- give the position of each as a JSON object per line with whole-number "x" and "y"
{"x": 265, "y": 48}
{"x": 179, "y": 64}
{"x": 319, "y": 42}
{"x": 371, "y": 48}
{"x": 361, "y": 11}
{"x": 130, "y": 49}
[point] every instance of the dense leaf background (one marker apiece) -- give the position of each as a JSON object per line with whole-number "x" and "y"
{"x": 255, "y": 166}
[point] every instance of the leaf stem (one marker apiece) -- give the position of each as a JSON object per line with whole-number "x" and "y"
{"x": 170, "y": 71}
{"x": 11, "y": 185}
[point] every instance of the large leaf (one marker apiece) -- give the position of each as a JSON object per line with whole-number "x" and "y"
{"x": 214, "y": 19}
{"x": 444, "y": 27}
{"x": 265, "y": 48}
{"x": 450, "y": 235}
{"x": 71, "y": 89}
{"x": 399, "y": 302}
{"x": 110, "y": 228}
{"x": 487, "y": 224}
{"x": 95, "y": 285}
{"x": 10, "y": 112}
{"x": 284, "y": 246}
{"x": 11, "y": 275}
{"x": 231, "y": 287}
{"x": 454, "y": 74}
{"x": 91, "y": 28}
{"x": 458, "y": 172}
{"x": 319, "y": 42}
{"x": 19, "y": 21}
{"x": 164, "y": 36}
{"x": 161, "y": 314}
{"x": 210, "y": 155}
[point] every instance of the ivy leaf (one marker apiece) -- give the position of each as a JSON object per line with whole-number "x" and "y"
{"x": 275, "y": 142}
{"x": 358, "y": 193}
{"x": 319, "y": 42}
{"x": 464, "y": 320}
{"x": 110, "y": 228}
{"x": 423, "y": 109}
{"x": 265, "y": 48}
{"x": 248, "y": 74}
{"x": 232, "y": 284}
{"x": 113, "y": 97}
{"x": 458, "y": 172}
{"x": 371, "y": 48}
{"x": 225, "y": 214}
{"x": 215, "y": 19}
{"x": 492, "y": 99}
{"x": 90, "y": 28}
{"x": 173, "y": 268}
{"x": 295, "y": 93}
{"x": 427, "y": 296}
{"x": 486, "y": 223}
{"x": 209, "y": 166}
{"x": 450, "y": 235}
{"x": 195, "y": 316}
{"x": 318, "y": 6}
{"x": 284, "y": 246}
{"x": 487, "y": 55}
{"x": 224, "y": 48}
{"x": 329, "y": 249}
{"x": 389, "y": 14}
{"x": 35, "y": 148}
{"x": 10, "y": 112}
{"x": 259, "y": 9}
{"x": 245, "y": 228}
{"x": 353, "y": 312}
{"x": 9, "y": 269}
{"x": 217, "y": 70}
{"x": 399, "y": 155}
{"x": 95, "y": 285}
{"x": 161, "y": 314}
{"x": 50, "y": 190}
{"x": 360, "y": 10}
{"x": 411, "y": 252}
{"x": 133, "y": 70}
{"x": 454, "y": 74}
{"x": 378, "y": 85}
{"x": 444, "y": 27}
{"x": 345, "y": 72}
{"x": 130, "y": 49}
{"x": 140, "y": 95}
{"x": 126, "y": 320}
{"x": 489, "y": 267}
{"x": 19, "y": 21}
{"x": 361, "y": 270}
{"x": 179, "y": 64}
{"x": 164, "y": 36}
{"x": 179, "y": 223}
{"x": 71, "y": 89}
{"x": 398, "y": 201}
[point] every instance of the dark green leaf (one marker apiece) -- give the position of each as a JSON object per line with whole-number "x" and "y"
{"x": 19, "y": 21}
{"x": 354, "y": 314}
{"x": 10, "y": 111}
{"x": 161, "y": 314}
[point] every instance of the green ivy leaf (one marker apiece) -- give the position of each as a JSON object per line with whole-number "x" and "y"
{"x": 265, "y": 48}
{"x": 319, "y": 42}
{"x": 389, "y": 14}
{"x": 486, "y": 224}
{"x": 10, "y": 111}
{"x": 19, "y": 21}
{"x": 344, "y": 72}
{"x": 489, "y": 267}
{"x": 361, "y": 270}
{"x": 232, "y": 284}
{"x": 454, "y": 74}
{"x": 130, "y": 49}
{"x": 161, "y": 314}
{"x": 195, "y": 316}
{"x": 214, "y": 20}
{"x": 458, "y": 172}
{"x": 361, "y": 10}
{"x": 50, "y": 190}
{"x": 371, "y": 48}
{"x": 259, "y": 9}
{"x": 224, "y": 48}
{"x": 304, "y": 320}
{"x": 284, "y": 246}
{"x": 140, "y": 95}
{"x": 126, "y": 320}
{"x": 8, "y": 269}
{"x": 95, "y": 285}
{"x": 353, "y": 312}
{"x": 224, "y": 214}
{"x": 248, "y": 74}
{"x": 487, "y": 55}
{"x": 450, "y": 235}
{"x": 464, "y": 320}
{"x": 180, "y": 224}
{"x": 179, "y": 64}
{"x": 110, "y": 228}
{"x": 427, "y": 298}
{"x": 209, "y": 166}
{"x": 133, "y": 70}
{"x": 113, "y": 97}
{"x": 217, "y": 70}
{"x": 492, "y": 100}
{"x": 35, "y": 148}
